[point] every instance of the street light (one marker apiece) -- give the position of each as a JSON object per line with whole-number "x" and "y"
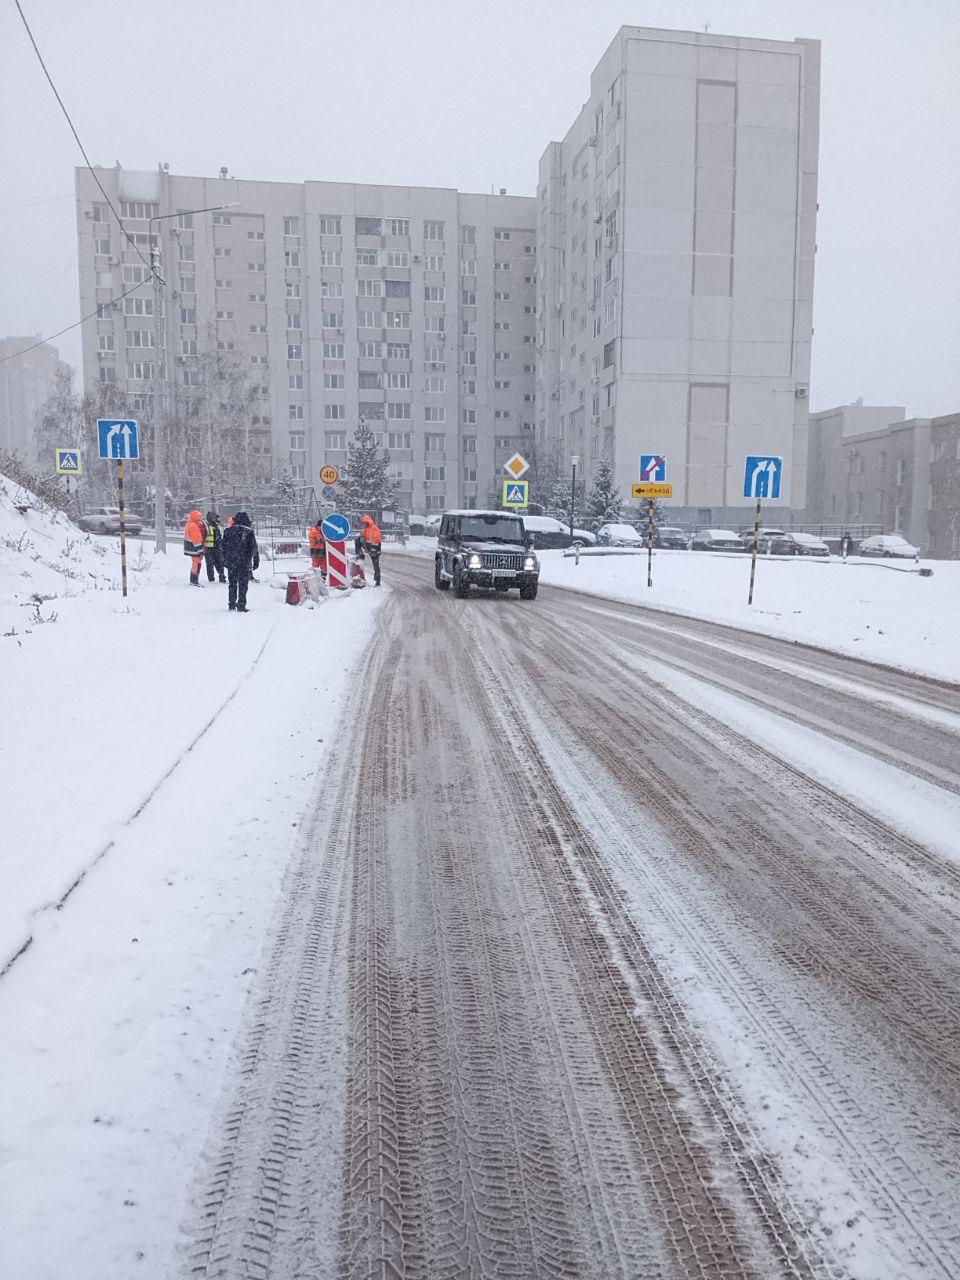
{"x": 159, "y": 445}
{"x": 574, "y": 459}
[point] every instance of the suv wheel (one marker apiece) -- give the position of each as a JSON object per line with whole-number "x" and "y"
{"x": 461, "y": 588}
{"x": 528, "y": 590}
{"x": 439, "y": 581}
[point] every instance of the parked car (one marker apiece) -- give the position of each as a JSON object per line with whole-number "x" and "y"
{"x": 548, "y": 532}
{"x": 107, "y": 520}
{"x": 889, "y": 546}
{"x": 764, "y": 539}
{"x": 799, "y": 544}
{"x": 485, "y": 549}
{"x": 671, "y": 537}
{"x": 417, "y": 525}
{"x": 716, "y": 540}
{"x": 618, "y": 535}
{"x": 431, "y": 525}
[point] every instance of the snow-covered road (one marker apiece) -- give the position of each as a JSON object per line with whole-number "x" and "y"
{"x": 626, "y": 948}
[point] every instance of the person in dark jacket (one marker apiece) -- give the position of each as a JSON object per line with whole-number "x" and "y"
{"x": 241, "y": 555}
{"x": 213, "y": 548}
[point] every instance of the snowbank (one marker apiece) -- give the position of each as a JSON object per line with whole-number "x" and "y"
{"x": 882, "y": 611}
{"x": 157, "y": 759}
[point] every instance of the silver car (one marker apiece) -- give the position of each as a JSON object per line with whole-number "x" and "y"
{"x": 107, "y": 520}
{"x": 889, "y": 546}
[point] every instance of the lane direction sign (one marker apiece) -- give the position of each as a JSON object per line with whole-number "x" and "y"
{"x": 117, "y": 438}
{"x": 653, "y": 467}
{"x": 761, "y": 476}
{"x": 335, "y": 527}
{"x": 516, "y": 466}
{"x": 68, "y": 462}
{"x": 516, "y": 493}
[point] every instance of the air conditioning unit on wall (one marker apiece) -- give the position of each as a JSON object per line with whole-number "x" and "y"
{"x": 802, "y": 393}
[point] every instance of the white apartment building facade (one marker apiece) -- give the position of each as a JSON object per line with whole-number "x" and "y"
{"x": 411, "y": 307}
{"x": 675, "y": 246}
{"x": 26, "y": 384}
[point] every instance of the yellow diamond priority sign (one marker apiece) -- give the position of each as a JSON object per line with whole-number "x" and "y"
{"x": 516, "y": 466}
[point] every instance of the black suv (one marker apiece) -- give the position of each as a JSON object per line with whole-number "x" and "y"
{"x": 485, "y": 549}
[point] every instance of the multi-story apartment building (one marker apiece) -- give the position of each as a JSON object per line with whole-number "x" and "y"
{"x": 410, "y": 307}
{"x": 675, "y": 247}
{"x": 26, "y": 384}
{"x": 868, "y": 464}
{"x": 944, "y": 534}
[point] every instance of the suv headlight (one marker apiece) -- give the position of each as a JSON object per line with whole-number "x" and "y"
{"x": 529, "y": 562}
{"x": 473, "y": 560}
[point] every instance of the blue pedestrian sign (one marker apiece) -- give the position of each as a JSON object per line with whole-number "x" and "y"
{"x": 68, "y": 462}
{"x": 761, "y": 477}
{"x": 653, "y": 467}
{"x": 117, "y": 438}
{"x": 335, "y": 528}
{"x": 516, "y": 493}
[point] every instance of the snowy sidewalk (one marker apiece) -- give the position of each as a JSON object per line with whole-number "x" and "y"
{"x": 168, "y": 749}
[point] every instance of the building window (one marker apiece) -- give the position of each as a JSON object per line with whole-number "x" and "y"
{"x": 139, "y": 370}
{"x": 370, "y": 349}
{"x": 331, "y": 381}
{"x": 255, "y": 266}
{"x": 372, "y": 409}
{"x": 336, "y": 439}
{"x": 434, "y": 442}
{"x": 138, "y": 306}
{"x": 294, "y": 351}
{"x": 188, "y": 346}
{"x": 501, "y": 234}
{"x": 136, "y": 209}
{"x": 291, "y": 226}
{"x": 368, "y": 257}
{"x": 433, "y": 262}
{"x": 296, "y": 412}
{"x": 368, "y": 226}
{"x": 433, "y": 231}
{"x": 295, "y": 381}
{"x": 901, "y": 470}
{"x": 369, "y": 380}
{"x": 291, "y": 257}
{"x": 469, "y": 444}
{"x": 468, "y": 297}
{"x": 398, "y": 350}
{"x": 434, "y": 471}
{"x": 468, "y": 235}
{"x": 333, "y": 351}
{"x": 105, "y": 342}
{"x": 502, "y": 384}
{"x": 435, "y": 385}
{"x": 468, "y": 267}
{"x": 328, "y": 289}
{"x": 399, "y": 440}
{"x": 330, "y": 319}
{"x": 398, "y": 381}
{"x": 501, "y": 266}
{"x": 397, "y": 288}
{"x": 329, "y": 226}
{"x": 398, "y": 226}
{"x": 334, "y": 411}
{"x": 369, "y": 288}
{"x": 396, "y": 319}
{"x": 469, "y": 417}
{"x": 330, "y": 257}
{"x": 435, "y": 413}
{"x": 258, "y": 328}
{"x": 188, "y": 315}
{"x": 255, "y": 235}
{"x": 398, "y": 412}
{"x": 398, "y": 258}
{"x": 433, "y": 293}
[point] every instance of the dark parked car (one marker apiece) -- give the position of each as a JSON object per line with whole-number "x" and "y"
{"x": 799, "y": 544}
{"x": 716, "y": 540}
{"x": 889, "y": 546}
{"x": 107, "y": 520}
{"x": 765, "y": 538}
{"x": 619, "y": 535}
{"x": 670, "y": 537}
{"x": 485, "y": 549}
{"x": 552, "y": 534}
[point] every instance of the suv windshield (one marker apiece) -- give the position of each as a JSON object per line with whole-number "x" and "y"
{"x": 492, "y": 528}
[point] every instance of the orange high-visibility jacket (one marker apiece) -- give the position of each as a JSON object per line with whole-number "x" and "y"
{"x": 315, "y": 538}
{"x": 370, "y": 533}
{"x": 193, "y": 535}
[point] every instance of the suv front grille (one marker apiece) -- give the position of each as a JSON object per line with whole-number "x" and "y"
{"x": 501, "y": 560}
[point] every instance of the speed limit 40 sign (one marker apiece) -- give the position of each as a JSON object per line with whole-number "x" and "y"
{"x": 329, "y": 474}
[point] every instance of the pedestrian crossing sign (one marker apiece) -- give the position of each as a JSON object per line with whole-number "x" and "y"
{"x": 68, "y": 462}
{"x": 515, "y": 493}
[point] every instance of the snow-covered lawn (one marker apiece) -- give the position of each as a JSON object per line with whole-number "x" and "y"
{"x": 883, "y": 611}
{"x": 157, "y": 754}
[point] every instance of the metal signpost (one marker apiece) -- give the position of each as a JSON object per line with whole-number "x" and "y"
{"x": 515, "y": 493}
{"x": 118, "y": 439}
{"x": 653, "y": 475}
{"x": 761, "y": 479}
{"x": 336, "y": 529}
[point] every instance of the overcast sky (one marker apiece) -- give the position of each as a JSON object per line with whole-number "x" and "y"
{"x": 466, "y": 95}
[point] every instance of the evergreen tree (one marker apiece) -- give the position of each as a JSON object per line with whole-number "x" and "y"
{"x": 368, "y": 487}
{"x": 604, "y": 503}
{"x": 558, "y": 504}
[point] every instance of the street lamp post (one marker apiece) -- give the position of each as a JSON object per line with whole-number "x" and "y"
{"x": 159, "y": 442}
{"x": 574, "y": 459}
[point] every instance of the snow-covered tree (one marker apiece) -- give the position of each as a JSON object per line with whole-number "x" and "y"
{"x": 604, "y": 503}
{"x": 368, "y": 487}
{"x": 558, "y": 502}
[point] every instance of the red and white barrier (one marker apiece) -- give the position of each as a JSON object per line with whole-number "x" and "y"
{"x": 302, "y": 587}
{"x": 337, "y": 572}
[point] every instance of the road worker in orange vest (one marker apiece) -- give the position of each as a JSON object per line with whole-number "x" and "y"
{"x": 318, "y": 548}
{"x": 369, "y": 542}
{"x": 194, "y": 535}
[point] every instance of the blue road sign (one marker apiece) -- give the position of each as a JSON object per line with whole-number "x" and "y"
{"x": 761, "y": 477}
{"x": 516, "y": 493}
{"x": 117, "y": 438}
{"x": 335, "y": 528}
{"x": 68, "y": 462}
{"x": 328, "y": 493}
{"x": 653, "y": 467}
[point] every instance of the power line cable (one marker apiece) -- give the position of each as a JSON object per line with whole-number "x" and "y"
{"x": 76, "y": 324}
{"x": 76, "y": 135}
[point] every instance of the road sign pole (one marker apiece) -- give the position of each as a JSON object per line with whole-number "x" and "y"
{"x": 753, "y": 557}
{"x": 123, "y": 528}
{"x": 649, "y": 542}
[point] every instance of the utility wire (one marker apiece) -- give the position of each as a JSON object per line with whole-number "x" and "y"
{"x": 76, "y": 324}
{"x": 66, "y": 113}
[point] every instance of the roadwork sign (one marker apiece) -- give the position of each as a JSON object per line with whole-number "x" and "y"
{"x": 647, "y": 489}
{"x": 68, "y": 462}
{"x": 516, "y": 466}
{"x": 329, "y": 474}
{"x": 515, "y": 493}
{"x": 653, "y": 467}
{"x": 117, "y": 438}
{"x": 761, "y": 476}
